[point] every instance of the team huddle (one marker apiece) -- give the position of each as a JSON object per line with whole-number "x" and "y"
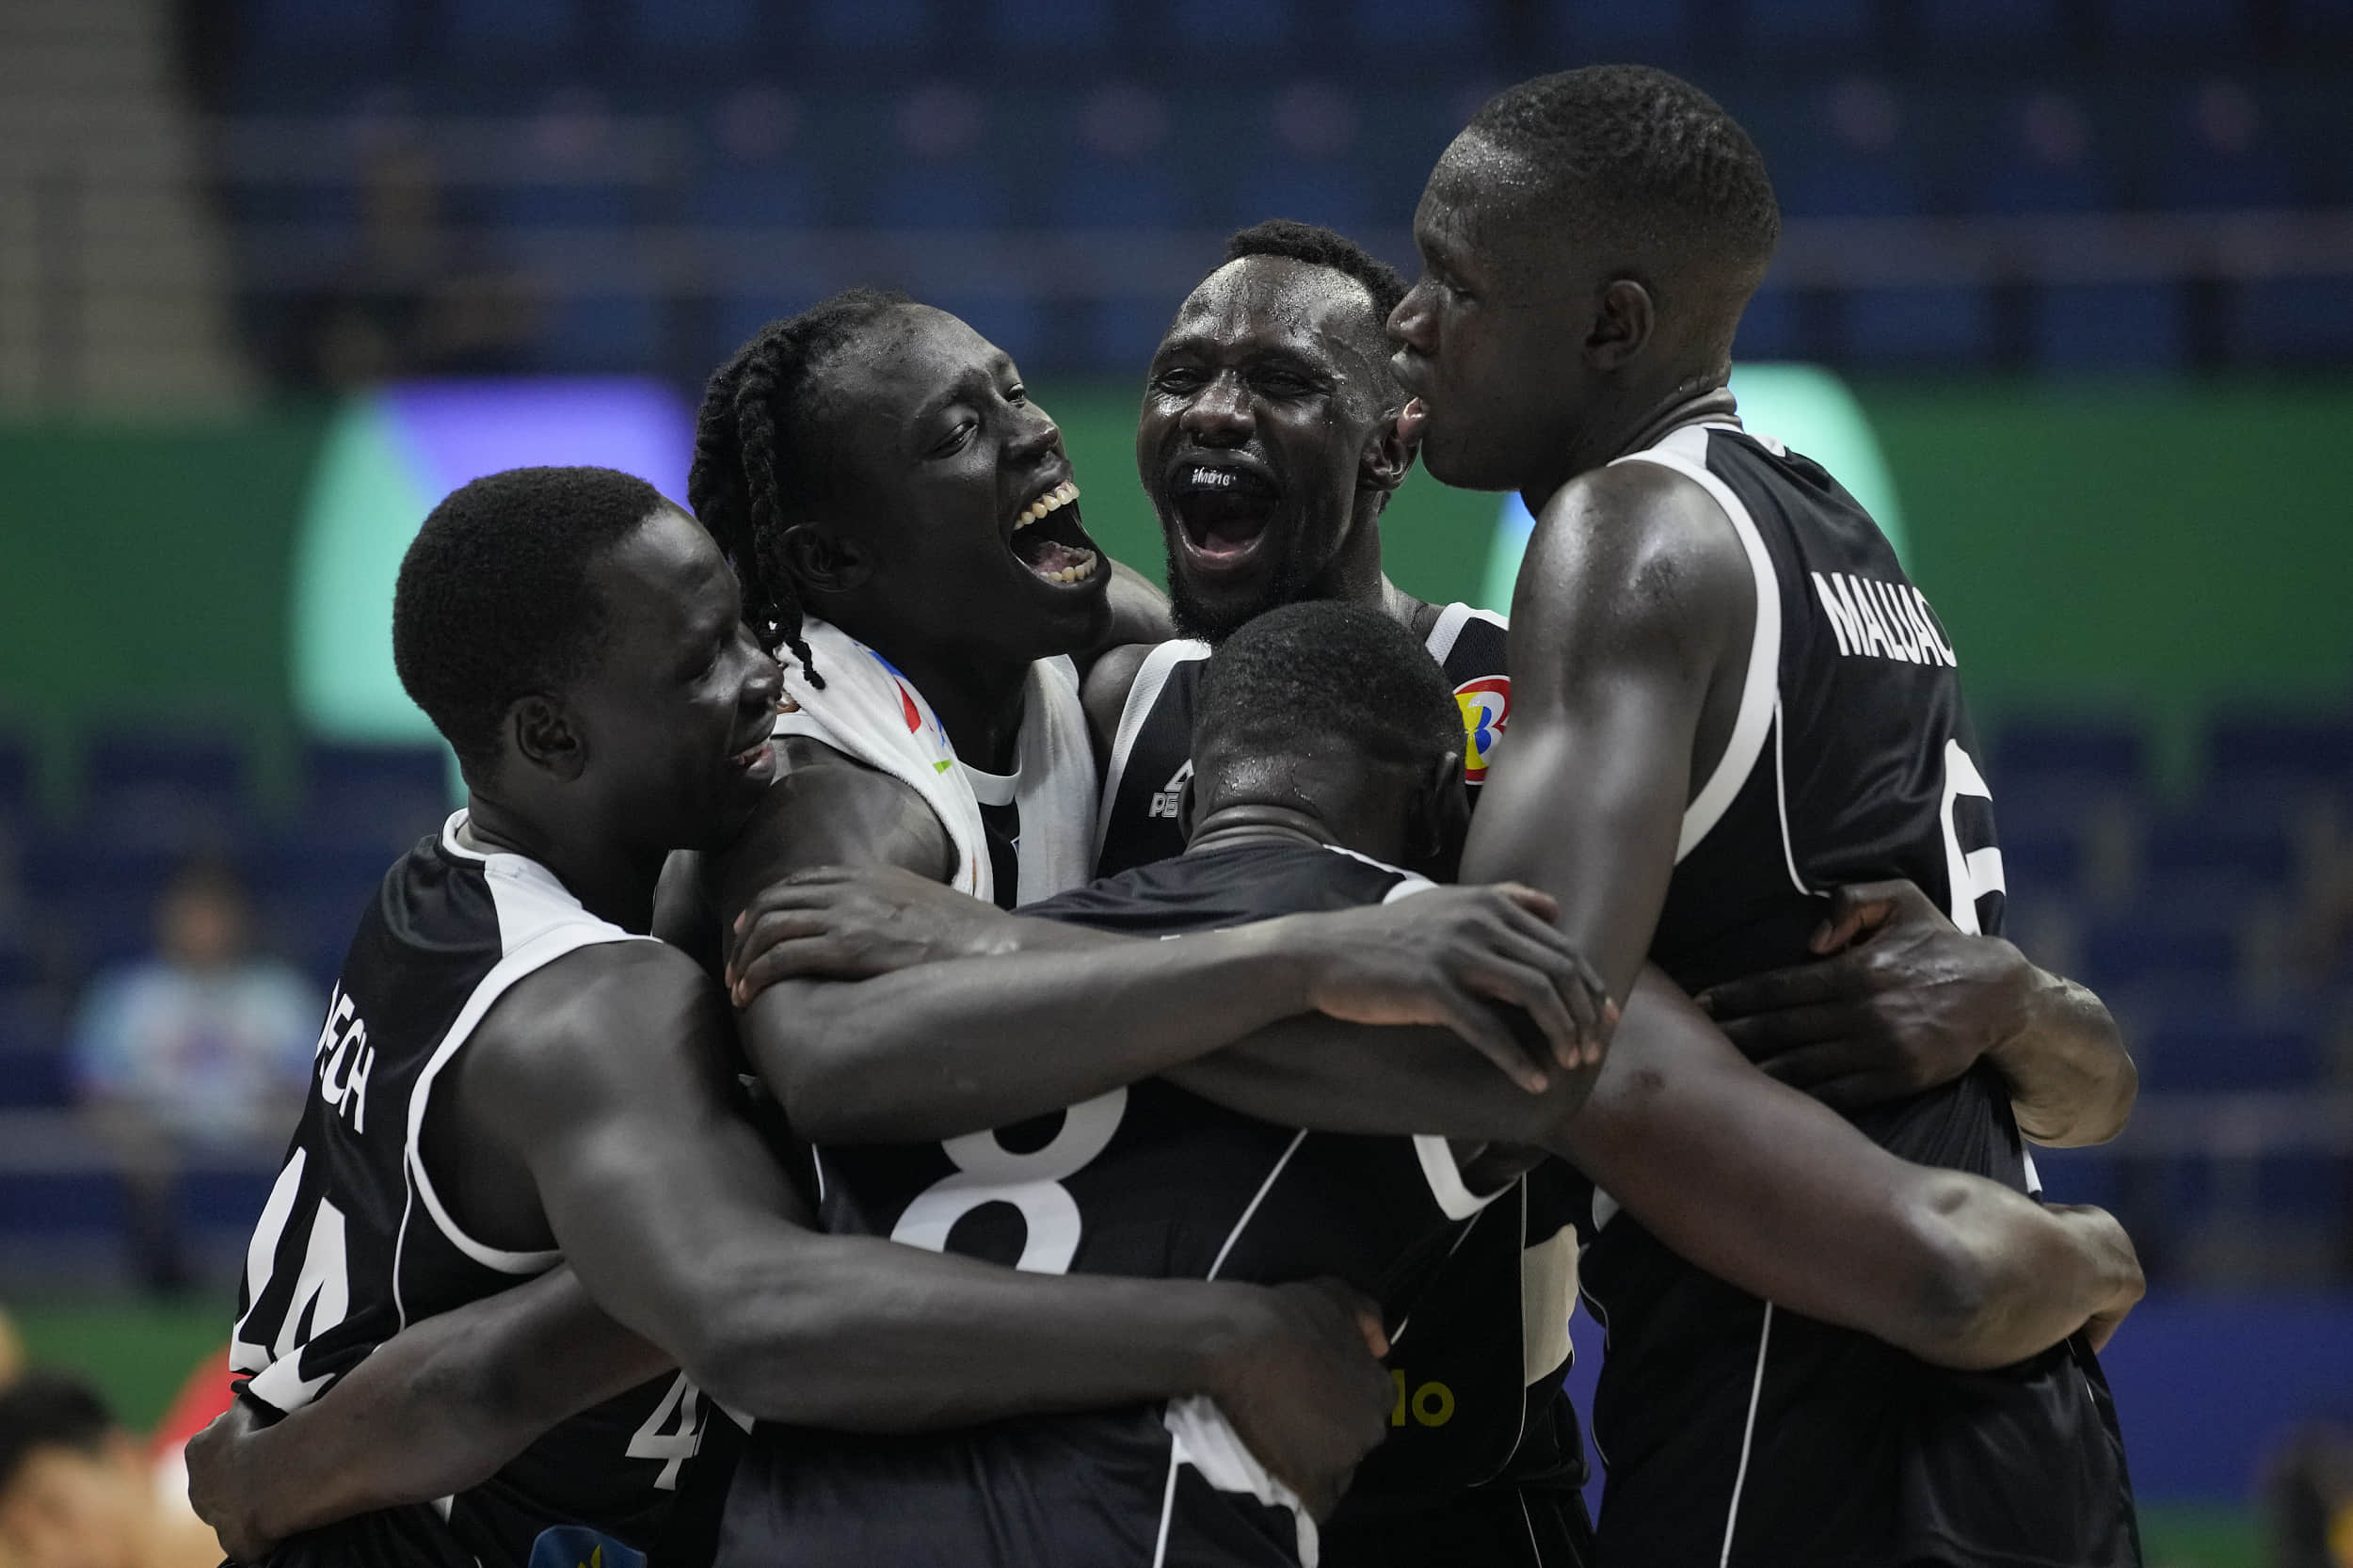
{"x": 922, "y": 1050}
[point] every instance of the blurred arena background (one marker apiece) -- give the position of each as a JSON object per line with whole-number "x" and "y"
{"x": 2066, "y": 292}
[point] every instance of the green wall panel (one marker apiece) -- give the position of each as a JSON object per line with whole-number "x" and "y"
{"x": 143, "y": 578}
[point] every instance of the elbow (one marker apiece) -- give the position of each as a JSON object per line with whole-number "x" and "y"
{"x": 806, "y": 1059}
{"x": 736, "y": 1342}
{"x": 1960, "y": 1301}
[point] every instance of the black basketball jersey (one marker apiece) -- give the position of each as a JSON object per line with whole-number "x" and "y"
{"x": 1493, "y": 1328}
{"x": 1151, "y": 756}
{"x": 355, "y": 1243}
{"x": 1733, "y": 1432}
{"x": 1145, "y": 1180}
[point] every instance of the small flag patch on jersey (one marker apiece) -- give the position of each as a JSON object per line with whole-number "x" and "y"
{"x": 1486, "y": 705}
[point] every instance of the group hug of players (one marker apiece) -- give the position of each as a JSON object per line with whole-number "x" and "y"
{"x": 910, "y": 1057}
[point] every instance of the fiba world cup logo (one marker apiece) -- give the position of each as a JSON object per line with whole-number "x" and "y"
{"x": 1486, "y": 705}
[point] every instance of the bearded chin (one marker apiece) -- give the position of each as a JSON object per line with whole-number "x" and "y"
{"x": 1215, "y": 623}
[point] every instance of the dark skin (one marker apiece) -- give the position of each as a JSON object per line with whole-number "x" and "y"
{"x": 942, "y": 1050}
{"x": 1762, "y": 1186}
{"x": 684, "y": 1242}
{"x": 1536, "y": 357}
{"x": 1275, "y": 366}
{"x": 934, "y": 451}
{"x": 1533, "y": 365}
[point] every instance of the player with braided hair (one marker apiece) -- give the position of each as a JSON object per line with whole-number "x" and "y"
{"x": 733, "y": 485}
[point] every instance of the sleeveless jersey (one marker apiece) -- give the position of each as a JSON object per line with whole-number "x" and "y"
{"x": 1151, "y": 757}
{"x": 1493, "y": 1328}
{"x": 1147, "y": 1180}
{"x": 1735, "y": 1433}
{"x": 355, "y": 1243}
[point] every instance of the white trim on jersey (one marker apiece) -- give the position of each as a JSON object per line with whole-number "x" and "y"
{"x": 1547, "y": 1298}
{"x": 540, "y": 921}
{"x": 1748, "y": 1435}
{"x": 1142, "y": 693}
{"x": 1200, "y": 1435}
{"x": 1781, "y": 805}
{"x": 1686, "y": 452}
{"x": 1449, "y": 626}
{"x": 1439, "y": 1168}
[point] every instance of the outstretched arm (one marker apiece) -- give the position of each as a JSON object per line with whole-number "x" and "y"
{"x": 684, "y": 1235}
{"x": 937, "y": 1049}
{"x": 667, "y": 1203}
{"x": 1903, "y": 1000}
{"x": 438, "y": 1408}
{"x": 1759, "y": 1185}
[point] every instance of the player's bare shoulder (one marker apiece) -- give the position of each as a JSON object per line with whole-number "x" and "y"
{"x": 1631, "y": 551}
{"x": 825, "y": 809}
{"x": 1104, "y": 693}
{"x": 567, "y": 1020}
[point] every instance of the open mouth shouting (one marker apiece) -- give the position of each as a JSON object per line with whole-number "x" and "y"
{"x": 1048, "y": 539}
{"x": 1224, "y": 509}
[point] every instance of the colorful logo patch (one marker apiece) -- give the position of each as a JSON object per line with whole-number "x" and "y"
{"x": 577, "y": 1546}
{"x": 1486, "y": 705}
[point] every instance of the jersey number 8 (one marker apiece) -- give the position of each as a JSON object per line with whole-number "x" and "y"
{"x": 987, "y": 1172}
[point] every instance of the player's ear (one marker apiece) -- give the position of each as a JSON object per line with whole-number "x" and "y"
{"x": 1441, "y": 819}
{"x": 1624, "y": 319}
{"x": 540, "y": 731}
{"x": 823, "y": 561}
{"x": 1389, "y": 456}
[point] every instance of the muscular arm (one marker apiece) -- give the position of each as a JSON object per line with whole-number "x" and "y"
{"x": 1902, "y": 1001}
{"x": 1633, "y": 592}
{"x": 679, "y": 1224}
{"x": 937, "y": 1050}
{"x": 435, "y": 1409}
{"x": 1759, "y": 1185}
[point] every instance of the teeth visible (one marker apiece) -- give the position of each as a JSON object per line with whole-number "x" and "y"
{"x": 1080, "y": 573}
{"x": 1052, "y": 500}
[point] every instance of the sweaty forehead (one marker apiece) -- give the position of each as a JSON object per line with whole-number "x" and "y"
{"x": 1277, "y": 302}
{"x": 1487, "y": 202}
{"x": 904, "y": 361}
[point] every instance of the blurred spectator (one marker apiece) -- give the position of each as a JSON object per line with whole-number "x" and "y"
{"x": 201, "y": 1048}
{"x": 11, "y": 1350}
{"x": 413, "y": 299}
{"x": 76, "y": 1491}
{"x": 2307, "y": 1501}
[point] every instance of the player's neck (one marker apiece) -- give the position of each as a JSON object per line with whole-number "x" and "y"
{"x": 1256, "y": 822}
{"x": 1695, "y": 401}
{"x": 612, "y": 879}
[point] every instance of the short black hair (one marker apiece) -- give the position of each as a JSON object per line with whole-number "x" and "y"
{"x": 49, "y": 1410}
{"x": 1317, "y": 246}
{"x": 1323, "y": 670}
{"x": 758, "y": 451}
{"x": 1654, "y": 161}
{"x": 493, "y": 602}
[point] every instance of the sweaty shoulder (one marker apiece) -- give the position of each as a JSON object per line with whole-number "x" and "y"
{"x": 1628, "y": 549}
{"x": 577, "y": 1011}
{"x": 1104, "y": 694}
{"x": 828, "y": 810}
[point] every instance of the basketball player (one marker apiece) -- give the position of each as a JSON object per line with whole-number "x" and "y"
{"x": 509, "y": 1076}
{"x": 1296, "y": 728}
{"x": 1728, "y": 699}
{"x": 1330, "y": 760}
{"x": 1269, "y": 444}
